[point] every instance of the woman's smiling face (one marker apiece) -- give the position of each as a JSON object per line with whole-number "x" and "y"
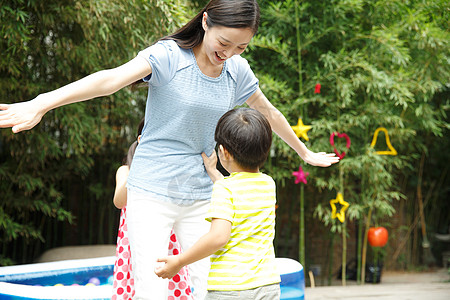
{"x": 221, "y": 43}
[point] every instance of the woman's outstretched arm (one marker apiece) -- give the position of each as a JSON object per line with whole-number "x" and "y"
{"x": 282, "y": 128}
{"x": 25, "y": 115}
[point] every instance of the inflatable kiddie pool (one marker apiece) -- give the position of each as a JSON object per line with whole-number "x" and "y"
{"x": 92, "y": 279}
{"x": 69, "y": 279}
{"x": 292, "y": 279}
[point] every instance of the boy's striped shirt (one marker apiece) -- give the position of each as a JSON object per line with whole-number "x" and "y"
{"x": 247, "y": 261}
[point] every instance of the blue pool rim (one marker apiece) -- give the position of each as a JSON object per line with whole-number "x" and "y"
{"x": 18, "y": 282}
{"x": 292, "y": 279}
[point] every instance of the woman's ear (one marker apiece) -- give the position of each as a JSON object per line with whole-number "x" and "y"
{"x": 204, "y": 18}
{"x": 139, "y": 138}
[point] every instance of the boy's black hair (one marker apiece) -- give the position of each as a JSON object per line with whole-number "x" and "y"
{"x": 246, "y": 134}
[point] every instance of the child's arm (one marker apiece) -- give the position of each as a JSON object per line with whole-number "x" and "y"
{"x": 120, "y": 193}
{"x": 282, "y": 128}
{"x": 215, "y": 239}
{"x": 210, "y": 166}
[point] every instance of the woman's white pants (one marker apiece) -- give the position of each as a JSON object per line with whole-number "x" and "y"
{"x": 150, "y": 222}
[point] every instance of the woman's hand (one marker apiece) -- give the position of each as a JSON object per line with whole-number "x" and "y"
{"x": 320, "y": 159}
{"x": 21, "y": 116}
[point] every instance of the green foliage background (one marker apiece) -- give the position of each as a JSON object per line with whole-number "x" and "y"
{"x": 381, "y": 63}
{"x": 57, "y": 180}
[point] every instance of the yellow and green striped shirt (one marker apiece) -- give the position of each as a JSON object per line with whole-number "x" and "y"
{"x": 247, "y": 261}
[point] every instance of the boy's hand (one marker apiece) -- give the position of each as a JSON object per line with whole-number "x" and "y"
{"x": 171, "y": 267}
{"x": 210, "y": 163}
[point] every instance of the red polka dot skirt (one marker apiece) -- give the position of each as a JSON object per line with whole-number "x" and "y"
{"x": 179, "y": 287}
{"x": 123, "y": 284}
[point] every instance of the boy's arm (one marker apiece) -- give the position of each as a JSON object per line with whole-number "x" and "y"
{"x": 215, "y": 239}
{"x": 210, "y": 166}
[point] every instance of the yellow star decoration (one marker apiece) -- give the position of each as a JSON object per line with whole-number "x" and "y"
{"x": 341, "y": 214}
{"x": 300, "y": 129}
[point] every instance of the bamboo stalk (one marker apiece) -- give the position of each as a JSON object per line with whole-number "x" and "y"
{"x": 302, "y": 227}
{"x": 299, "y": 53}
{"x": 344, "y": 255}
{"x": 344, "y": 237}
{"x": 364, "y": 253}
{"x": 330, "y": 266}
{"x": 375, "y": 264}
{"x": 360, "y": 237}
{"x": 300, "y": 90}
{"x": 358, "y": 255}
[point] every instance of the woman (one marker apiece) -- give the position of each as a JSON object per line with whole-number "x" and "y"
{"x": 195, "y": 75}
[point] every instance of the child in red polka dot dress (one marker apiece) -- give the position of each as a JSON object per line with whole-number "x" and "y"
{"x": 123, "y": 284}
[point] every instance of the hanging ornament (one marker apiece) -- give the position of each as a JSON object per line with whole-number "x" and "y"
{"x": 377, "y": 236}
{"x": 391, "y": 151}
{"x": 301, "y": 130}
{"x": 344, "y": 205}
{"x": 317, "y": 88}
{"x": 340, "y": 135}
{"x": 300, "y": 176}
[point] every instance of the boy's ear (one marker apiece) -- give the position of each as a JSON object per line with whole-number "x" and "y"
{"x": 139, "y": 138}
{"x": 225, "y": 153}
{"x": 221, "y": 149}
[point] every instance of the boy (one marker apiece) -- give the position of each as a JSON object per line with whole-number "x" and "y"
{"x": 242, "y": 214}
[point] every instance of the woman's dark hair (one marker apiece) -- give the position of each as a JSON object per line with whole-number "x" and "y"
{"x": 246, "y": 134}
{"x": 129, "y": 158}
{"x": 227, "y": 13}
